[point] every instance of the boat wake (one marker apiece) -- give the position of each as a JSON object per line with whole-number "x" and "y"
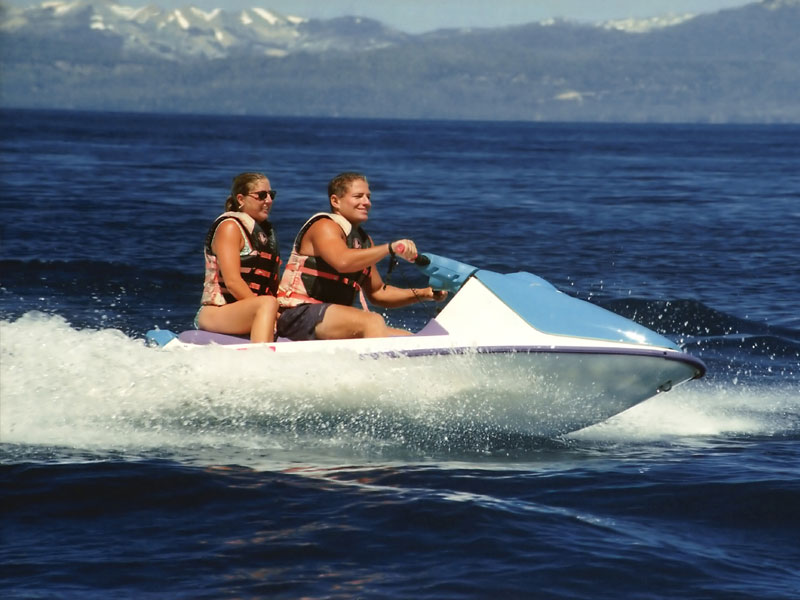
{"x": 102, "y": 391}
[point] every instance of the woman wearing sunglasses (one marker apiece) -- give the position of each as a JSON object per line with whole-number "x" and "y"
{"x": 242, "y": 264}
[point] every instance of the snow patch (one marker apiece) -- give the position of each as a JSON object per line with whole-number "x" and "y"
{"x": 178, "y": 15}
{"x": 632, "y": 25}
{"x": 126, "y": 12}
{"x": 97, "y": 23}
{"x": 269, "y": 17}
{"x": 208, "y": 16}
{"x": 60, "y": 8}
{"x": 571, "y": 95}
{"x": 245, "y": 18}
{"x": 13, "y": 22}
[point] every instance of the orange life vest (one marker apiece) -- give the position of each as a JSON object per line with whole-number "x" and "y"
{"x": 260, "y": 260}
{"x": 309, "y": 279}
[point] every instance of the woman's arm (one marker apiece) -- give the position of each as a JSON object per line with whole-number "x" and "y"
{"x": 389, "y": 296}
{"x": 326, "y": 239}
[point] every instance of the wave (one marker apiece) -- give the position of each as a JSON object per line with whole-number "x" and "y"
{"x": 101, "y": 389}
{"x": 100, "y": 294}
{"x": 706, "y": 409}
{"x": 733, "y": 348}
{"x": 691, "y": 318}
{"x": 61, "y": 286}
{"x": 77, "y": 275}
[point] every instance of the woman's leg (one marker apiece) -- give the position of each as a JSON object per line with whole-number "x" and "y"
{"x": 343, "y": 322}
{"x": 255, "y": 316}
{"x": 263, "y": 328}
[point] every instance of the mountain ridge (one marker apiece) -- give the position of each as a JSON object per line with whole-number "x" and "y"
{"x": 736, "y": 65}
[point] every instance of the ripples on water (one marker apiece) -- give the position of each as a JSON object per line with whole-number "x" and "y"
{"x": 128, "y": 472}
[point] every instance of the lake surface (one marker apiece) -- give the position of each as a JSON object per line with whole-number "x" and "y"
{"x": 128, "y": 472}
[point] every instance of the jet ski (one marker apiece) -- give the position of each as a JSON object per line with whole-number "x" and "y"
{"x": 559, "y": 363}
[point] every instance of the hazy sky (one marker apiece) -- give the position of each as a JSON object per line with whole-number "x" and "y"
{"x": 415, "y": 16}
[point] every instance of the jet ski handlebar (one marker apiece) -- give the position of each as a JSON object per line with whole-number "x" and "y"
{"x": 444, "y": 273}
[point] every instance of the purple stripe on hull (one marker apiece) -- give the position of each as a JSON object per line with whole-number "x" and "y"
{"x": 203, "y": 338}
{"x": 687, "y": 359}
{"x": 432, "y": 328}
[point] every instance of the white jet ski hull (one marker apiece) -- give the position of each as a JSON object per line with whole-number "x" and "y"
{"x": 554, "y": 363}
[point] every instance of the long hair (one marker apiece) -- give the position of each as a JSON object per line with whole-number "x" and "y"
{"x": 242, "y": 184}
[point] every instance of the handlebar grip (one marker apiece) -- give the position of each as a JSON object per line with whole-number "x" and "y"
{"x": 422, "y": 261}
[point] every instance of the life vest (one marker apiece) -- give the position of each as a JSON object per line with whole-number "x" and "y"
{"x": 260, "y": 260}
{"x": 309, "y": 279}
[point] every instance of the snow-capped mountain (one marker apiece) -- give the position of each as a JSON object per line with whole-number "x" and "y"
{"x": 738, "y": 64}
{"x": 192, "y": 32}
{"x": 633, "y": 25}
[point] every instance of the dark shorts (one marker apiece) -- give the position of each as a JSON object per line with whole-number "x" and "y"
{"x": 298, "y": 323}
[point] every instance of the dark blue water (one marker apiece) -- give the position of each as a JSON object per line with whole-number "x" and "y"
{"x": 126, "y": 472}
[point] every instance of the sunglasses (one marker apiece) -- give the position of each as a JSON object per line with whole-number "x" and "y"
{"x": 262, "y": 195}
